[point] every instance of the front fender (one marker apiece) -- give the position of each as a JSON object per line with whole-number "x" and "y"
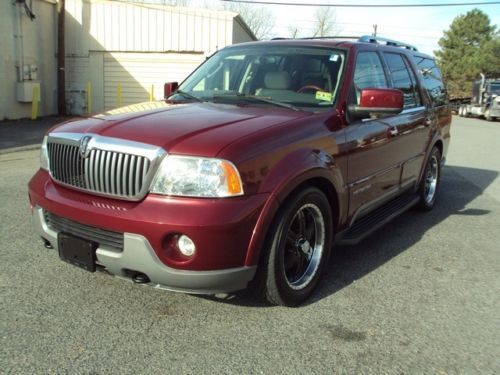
{"x": 292, "y": 171}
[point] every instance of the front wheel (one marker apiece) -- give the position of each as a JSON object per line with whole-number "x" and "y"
{"x": 487, "y": 115}
{"x": 297, "y": 248}
{"x": 430, "y": 181}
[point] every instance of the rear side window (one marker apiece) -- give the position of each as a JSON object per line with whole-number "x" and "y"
{"x": 432, "y": 80}
{"x": 403, "y": 79}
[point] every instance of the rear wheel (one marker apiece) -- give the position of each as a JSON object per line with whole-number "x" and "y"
{"x": 430, "y": 181}
{"x": 297, "y": 249}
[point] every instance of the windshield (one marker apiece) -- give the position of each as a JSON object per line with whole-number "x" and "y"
{"x": 293, "y": 77}
{"x": 495, "y": 88}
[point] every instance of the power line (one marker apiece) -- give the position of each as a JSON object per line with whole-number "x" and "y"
{"x": 362, "y": 5}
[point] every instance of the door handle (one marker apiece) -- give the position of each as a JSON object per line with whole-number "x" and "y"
{"x": 393, "y": 132}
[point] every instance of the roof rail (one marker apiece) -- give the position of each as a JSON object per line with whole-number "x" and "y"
{"x": 331, "y": 37}
{"x": 387, "y": 42}
{"x": 319, "y": 37}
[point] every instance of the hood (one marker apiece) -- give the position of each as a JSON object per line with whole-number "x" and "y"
{"x": 195, "y": 128}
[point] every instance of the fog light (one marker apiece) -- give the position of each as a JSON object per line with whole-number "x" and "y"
{"x": 186, "y": 245}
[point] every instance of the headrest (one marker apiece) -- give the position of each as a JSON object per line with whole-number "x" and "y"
{"x": 277, "y": 80}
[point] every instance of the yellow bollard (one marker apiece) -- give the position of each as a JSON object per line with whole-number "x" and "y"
{"x": 119, "y": 95}
{"x": 152, "y": 93}
{"x": 35, "y": 99}
{"x": 89, "y": 98}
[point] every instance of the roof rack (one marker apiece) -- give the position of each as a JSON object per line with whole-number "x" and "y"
{"x": 318, "y": 37}
{"x": 387, "y": 42}
{"x": 364, "y": 39}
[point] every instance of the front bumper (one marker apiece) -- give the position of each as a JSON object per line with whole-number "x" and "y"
{"x": 138, "y": 256}
{"x": 222, "y": 229}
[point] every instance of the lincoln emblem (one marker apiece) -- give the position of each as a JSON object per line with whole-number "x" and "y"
{"x": 84, "y": 142}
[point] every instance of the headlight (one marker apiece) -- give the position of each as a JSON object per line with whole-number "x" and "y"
{"x": 44, "y": 156}
{"x": 197, "y": 177}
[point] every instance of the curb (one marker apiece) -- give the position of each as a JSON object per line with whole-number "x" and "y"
{"x": 20, "y": 148}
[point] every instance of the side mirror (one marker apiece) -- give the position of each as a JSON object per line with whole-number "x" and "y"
{"x": 169, "y": 88}
{"x": 375, "y": 102}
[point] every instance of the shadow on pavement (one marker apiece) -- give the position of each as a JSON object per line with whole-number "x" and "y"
{"x": 350, "y": 263}
{"x": 26, "y": 132}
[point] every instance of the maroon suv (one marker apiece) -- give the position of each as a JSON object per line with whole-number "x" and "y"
{"x": 250, "y": 170}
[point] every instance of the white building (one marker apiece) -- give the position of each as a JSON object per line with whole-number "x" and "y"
{"x": 119, "y": 50}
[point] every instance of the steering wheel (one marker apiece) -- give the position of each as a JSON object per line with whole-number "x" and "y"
{"x": 310, "y": 87}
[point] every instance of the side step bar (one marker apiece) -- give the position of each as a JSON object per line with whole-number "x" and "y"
{"x": 376, "y": 219}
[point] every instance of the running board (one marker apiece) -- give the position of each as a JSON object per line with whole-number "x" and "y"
{"x": 376, "y": 219}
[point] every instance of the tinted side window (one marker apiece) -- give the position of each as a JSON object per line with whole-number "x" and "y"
{"x": 403, "y": 79}
{"x": 432, "y": 80}
{"x": 368, "y": 72}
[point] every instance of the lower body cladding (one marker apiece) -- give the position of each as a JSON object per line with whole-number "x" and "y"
{"x": 137, "y": 257}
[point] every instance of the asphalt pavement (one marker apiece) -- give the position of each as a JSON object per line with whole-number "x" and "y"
{"x": 25, "y": 134}
{"x": 420, "y": 296}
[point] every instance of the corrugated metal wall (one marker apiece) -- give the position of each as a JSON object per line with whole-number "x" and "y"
{"x": 137, "y": 72}
{"x": 114, "y": 26}
{"x": 136, "y": 45}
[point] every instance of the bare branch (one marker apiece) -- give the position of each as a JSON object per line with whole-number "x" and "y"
{"x": 293, "y": 31}
{"x": 325, "y": 22}
{"x": 259, "y": 19}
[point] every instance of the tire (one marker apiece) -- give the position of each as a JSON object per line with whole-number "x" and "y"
{"x": 487, "y": 115}
{"x": 297, "y": 249}
{"x": 431, "y": 178}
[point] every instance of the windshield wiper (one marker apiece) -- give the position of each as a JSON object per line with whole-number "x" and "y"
{"x": 259, "y": 99}
{"x": 188, "y": 95}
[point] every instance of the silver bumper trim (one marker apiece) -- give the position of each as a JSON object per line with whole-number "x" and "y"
{"x": 139, "y": 256}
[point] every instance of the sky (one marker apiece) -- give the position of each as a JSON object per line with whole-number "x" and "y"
{"x": 421, "y": 27}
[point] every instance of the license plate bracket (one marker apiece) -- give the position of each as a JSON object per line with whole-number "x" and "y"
{"x": 77, "y": 251}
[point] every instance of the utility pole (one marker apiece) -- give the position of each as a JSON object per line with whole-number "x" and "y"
{"x": 61, "y": 54}
{"x": 375, "y": 30}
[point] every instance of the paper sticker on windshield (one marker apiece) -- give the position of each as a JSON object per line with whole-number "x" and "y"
{"x": 322, "y": 95}
{"x": 334, "y": 57}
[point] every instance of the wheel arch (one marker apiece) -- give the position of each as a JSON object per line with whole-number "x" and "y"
{"x": 316, "y": 177}
{"x": 437, "y": 142}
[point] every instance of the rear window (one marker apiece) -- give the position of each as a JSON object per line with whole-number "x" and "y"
{"x": 432, "y": 80}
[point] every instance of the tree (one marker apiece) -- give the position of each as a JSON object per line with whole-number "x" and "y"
{"x": 470, "y": 46}
{"x": 325, "y": 22}
{"x": 259, "y": 19}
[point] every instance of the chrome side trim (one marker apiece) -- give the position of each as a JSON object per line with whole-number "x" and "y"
{"x": 411, "y": 110}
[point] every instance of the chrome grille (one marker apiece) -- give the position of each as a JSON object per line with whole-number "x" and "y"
{"x": 103, "y": 171}
{"x": 103, "y": 237}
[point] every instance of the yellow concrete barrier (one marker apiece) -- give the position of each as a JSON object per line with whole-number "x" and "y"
{"x": 119, "y": 95}
{"x": 89, "y": 98}
{"x": 35, "y": 99}
{"x": 152, "y": 93}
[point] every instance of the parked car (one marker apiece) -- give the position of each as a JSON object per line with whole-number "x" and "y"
{"x": 250, "y": 170}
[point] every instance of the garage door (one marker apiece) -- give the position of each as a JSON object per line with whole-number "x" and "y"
{"x": 136, "y": 72}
